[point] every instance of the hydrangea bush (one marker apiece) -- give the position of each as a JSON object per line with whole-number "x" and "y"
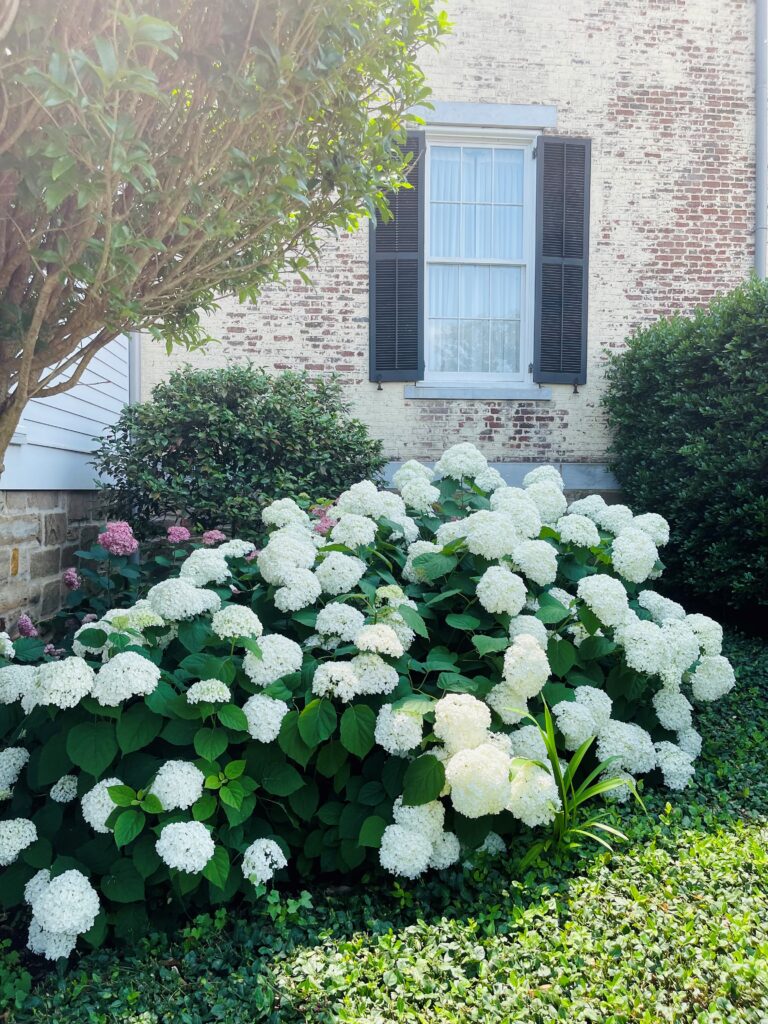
{"x": 365, "y": 692}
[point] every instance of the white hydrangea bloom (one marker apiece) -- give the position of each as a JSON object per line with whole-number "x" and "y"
{"x": 689, "y": 740}
{"x": 12, "y": 760}
{"x": 391, "y": 617}
{"x": 490, "y": 479}
{"x": 619, "y": 794}
{"x": 398, "y": 732}
{"x": 576, "y": 722}
{"x": 461, "y": 721}
{"x": 65, "y": 790}
{"x": 265, "y": 716}
{"x": 537, "y": 560}
{"x": 7, "y": 649}
{"x": 178, "y": 599}
{"x": 404, "y": 852}
{"x": 549, "y": 500}
{"x": 676, "y": 765}
{"x": 605, "y": 596}
{"x": 634, "y": 555}
{"x": 499, "y": 590}
{"x": 125, "y": 675}
{"x": 139, "y": 616}
{"x": 284, "y": 512}
{"x": 713, "y": 678}
{"x": 289, "y": 548}
{"x": 645, "y": 646}
{"x": 420, "y": 495}
{"x": 185, "y": 845}
{"x": 661, "y": 608}
{"x": 461, "y": 460}
{"x": 177, "y": 785}
{"x": 615, "y": 518}
{"x": 380, "y": 639}
{"x": 592, "y": 506}
{"x": 209, "y": 691}
{"x": 374, "y": 674}
{"x": 261, "y": 860}
{"x": 97, "y": 804}
{"x": 301, "y": 588}
{"x": 446, "y": 851}
{"x": 533, "y": 795}
{"x": 66, "y": 904}
{"x": 708, "y": 632}
{"x": 528, "y": 742}
{"x": 419, "y": 547}
{"x": 365, "y": 499}
{"x": 673, "y": 709}
{"x": 80, "y": 649}
{"x": 448, "y": 532}
{"x": 598, "y": 702}
{"x": 336, "y": 679}
{"x": 576, "y": 529}
{"x": 235, "y": 621}
{"x": 521, "y": 509}
{"x": 339, "y": 573}
{"x": 509, "y": 703}
{"x": 16, "y": 834}
{"x": 340, "y": 621}
{"x": 491, "y": 535}
{"x": 51, "y": 945}
{"x": 655, "y": 526}
{"x": 412, "y": 470}
{"x": 428, "y": 818}
{"x": 280, "y": 656}
{"x": 406, "y": 528}
{"x": 354, "y": 531}
{"x": 204, "y": 565}
{"x": 493, "y": 845}
{"x": 526, "y": 668}
{"x": 479, "y": 780}
{"x": 529, "y": 625}
{"x": 682, "y": 647}
{"x": 629, "y": 744}
{"x": 15, "y": 681}
{"x": 236, "y": 548}
{"x": 60, "y": 683}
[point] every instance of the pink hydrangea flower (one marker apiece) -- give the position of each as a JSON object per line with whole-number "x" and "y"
{"x": 72, "y": 579}
{"x": 253, "y": 554}
{"x": 53, "y": 652}
{"x": 324, "y": 526}
{"x": 118, "y": 538}
{"x": 211, "y": 537}
{"x": 90, "y": 617}
{"x": 26, "y": 626}
{"x": 178, "y": 534}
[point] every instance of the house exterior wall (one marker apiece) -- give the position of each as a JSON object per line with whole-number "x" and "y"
{"x": 665, "y": 90}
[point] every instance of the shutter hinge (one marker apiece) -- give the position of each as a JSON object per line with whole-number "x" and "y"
{"x": 534, "y": 151}
{"x": 575, "y": 385}
{"x": 378, "y": 383}
{"x": 530, "y": 367}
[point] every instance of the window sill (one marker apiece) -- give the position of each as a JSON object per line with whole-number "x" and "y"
{"x": 493, "y": 392}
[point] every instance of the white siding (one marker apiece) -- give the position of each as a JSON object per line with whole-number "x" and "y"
{"x": 56, "y": 436}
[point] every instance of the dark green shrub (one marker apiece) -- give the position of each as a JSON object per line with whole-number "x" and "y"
{"x": 215, "y": 446}
{"x": 687, "y": 402}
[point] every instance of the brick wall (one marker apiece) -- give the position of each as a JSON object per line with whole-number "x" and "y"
{"x": 665, "y": 89}
{"x": 39, "y": 534}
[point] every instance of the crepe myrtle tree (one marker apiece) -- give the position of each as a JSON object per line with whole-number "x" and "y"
{"x": 157, "y": 154}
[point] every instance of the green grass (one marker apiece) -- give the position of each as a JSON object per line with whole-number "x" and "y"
{"x": 671, "y": 927}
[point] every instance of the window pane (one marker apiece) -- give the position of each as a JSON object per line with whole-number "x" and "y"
{"x": 505, "y": 292}
{"x": 443, "y": 291}
{"x": 505, "y": 346}
{"x": 445, "y": 174}
{"x": 474, "y": 297}
{"x": 444, "y": 229}
{"x": 473, "y": 346}
{"x": 444, "y": 345}
{"x": 477, "y": 176}
{"x": 478, "y": 222}
{"x": 508, "y": 176}
{"x": 507, "y": 233}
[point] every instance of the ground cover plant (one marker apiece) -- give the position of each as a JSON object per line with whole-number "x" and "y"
{"x": 355, "y": 697}
{"x": 672, "y": 926}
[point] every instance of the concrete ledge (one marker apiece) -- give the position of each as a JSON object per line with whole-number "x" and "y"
{"x": 578, "y": 476}
{"x": 489, "y": 115}
{"x": 499, "y": 393}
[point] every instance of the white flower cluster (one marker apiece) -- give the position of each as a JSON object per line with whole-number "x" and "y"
{"x": 16, "y": 834}
{"x": 178, "y": 599}
{"x": 65, "y": 790}
{"x": 354, "y": 531}
{"x": 185, "y": 846}
{"x": 578, "y": 530}
{"x": 284, "y": 512}
{"x": 236, "y": 621}
{"x": 420, "y": 495}
{"x": 416, "y": 841}
{"x": 7, "y": 649}
{"x": 265, "y": 716}
{"x": 62, "y": 684}
{"x": 366, "y": 673}
{"x": 549, "y": 499}
{"x": 499, "y": 590}
{"x": 177, "y": 785}
{"x": 461, "y": 461}
{"x": 584, "y": 717}
{"x": 660, "y": 607}
{"x": 291, "y": 547}
{"x": 12, "y": 760}
{"x": 520, "y": 508}
{"x": 125, "y": 675}
{"x": 529, "y": 625}
{"x": 631, "y": 746}
{"x": 300, "y": 588}
{"x": 412, "y": 470}
{"x": 280, "y": 656}
{"x": 491, "y": 535}
{"x": 380, "y": 639}
{"x": 605, "y": 596}
{"x": 634, "y": 555}
{"x": 675, "y": 765}
{"x": 236, "y": 548}
{"x": 338, "y": 623}
{"x": 208, "y": 691}
{"x": 525, "y": 672}
{"x": 398, "y": 732}
{"x": 339, "y": 573}
{"x": 713, "y": 678}
{"x": 261, "y": 860}
{"x": 461, "y": 721}
{"x": 15, "y": 681}
{"x": 97, "y": 804}
{"x": 205, "y": 565}
{"x": 537, "y": 560}
{"x": 62, "y": 908}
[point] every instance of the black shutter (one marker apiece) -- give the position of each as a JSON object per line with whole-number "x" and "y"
{"x": 397, "y": 279}
{"x": 562, "y": 260}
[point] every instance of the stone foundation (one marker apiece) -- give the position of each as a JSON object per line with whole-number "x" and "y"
{"x": 40, "y": 531}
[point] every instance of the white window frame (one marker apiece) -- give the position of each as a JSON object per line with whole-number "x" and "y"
{"x": 497, "y": 139}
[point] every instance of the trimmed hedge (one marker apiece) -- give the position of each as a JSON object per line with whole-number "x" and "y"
{"x": 687, "y": 403}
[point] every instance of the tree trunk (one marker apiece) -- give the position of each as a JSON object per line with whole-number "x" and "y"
{"x": 9, "y": 420}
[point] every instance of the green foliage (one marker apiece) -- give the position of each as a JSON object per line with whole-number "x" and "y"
{"x": 687, "y": 403}
{"x": 673, "y": 927}
{"x": 217, "y": 445}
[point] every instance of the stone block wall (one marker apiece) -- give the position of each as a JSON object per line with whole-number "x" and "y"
{"x": 40, "y": 531}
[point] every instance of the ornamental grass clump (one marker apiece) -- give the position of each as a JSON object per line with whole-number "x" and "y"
{"x": 459, "y": 666}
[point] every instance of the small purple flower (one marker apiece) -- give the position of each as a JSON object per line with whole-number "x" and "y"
{"x": 90, "y": 617}
{"x": 72, "y": 579}
{"x": 53, "y": 652}
{"x": 118, "y": 538}
{"x": 178, "y": 534}
{"x": 25, "y": 626}
{"x": 253, "y": 554}
{"x": 211, "y": 537}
